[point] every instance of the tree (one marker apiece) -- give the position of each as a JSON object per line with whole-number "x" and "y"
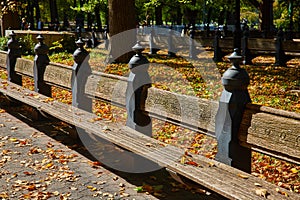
{"x": 9, "y": 14}
{"x": 122, "y": 17}
{"x": 265, "y": 8}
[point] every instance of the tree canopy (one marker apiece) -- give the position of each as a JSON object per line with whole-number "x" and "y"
{"x": 263, "y": 14}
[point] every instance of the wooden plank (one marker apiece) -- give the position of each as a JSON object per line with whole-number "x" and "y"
{"x": 291, "y": 46}
{"x": 59, "y": 75}
{"x": 226, "y": 43}
{"x": 272, "y": 130}
{"x": 261, "y": 44}
{"x": 218, "y": 177}
{"x": 24, "y": 66}
{"x": 3, "y": 56}
{"x": 205, "y": 41}
{"x": 193, "y": 112}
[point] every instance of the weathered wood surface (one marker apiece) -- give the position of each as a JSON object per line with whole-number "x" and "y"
{"x": 50, "y": 36}
{"x": 3, "y": 56}
{"x": 225, "y": 180}
{"x": 260, "y": 44}
{"x": 255, "y": 45}
{"x": 267, "y": 130}
{"x": 271, "y": 130}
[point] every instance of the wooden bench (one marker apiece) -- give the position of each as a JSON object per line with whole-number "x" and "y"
{"x": 262, "y": 129}
{"x": 264, "y": 46}
{"x": 254, "y": 46}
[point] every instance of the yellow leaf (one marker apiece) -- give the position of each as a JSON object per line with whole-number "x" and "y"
{"x": 294, "y": 170}
{"x": 13, "y": 139}
{"x": 92, "y": 188}
{"x": 49, "y": 165}
{"x": 243, "y": 176}
{"x": 211, "y": 164}
{"x": 4, "y": 195}
{"x": 182, "y": 160}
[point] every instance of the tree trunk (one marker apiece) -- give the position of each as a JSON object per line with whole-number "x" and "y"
{"x": 158, "y": 15}
{"x": 97, "y": 18}
{"x": 10, "y": 21}
{"x": 37, "y": 10}
{"x": 30, "y": 12}
{"x": 267, "y": 16}
{"x": 178, "y": 16}
{"x": 53, "y": 10}
{"x": 89, "y": 21}
{"x": 122, "y": 18}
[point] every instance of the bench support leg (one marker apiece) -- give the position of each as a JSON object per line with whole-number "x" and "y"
{"x": 232, "y": 103}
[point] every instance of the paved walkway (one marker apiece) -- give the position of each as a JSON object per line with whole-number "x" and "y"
{"x": 33, "y": 165}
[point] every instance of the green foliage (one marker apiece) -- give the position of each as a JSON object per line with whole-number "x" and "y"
{"x": 11, "y": 5}
{"x": 89, "y": 7}
{"x": 27, "y": 45}
{"x": 3, "y": 43}
{"x": 62, "y": 57}
{"x": 67, "y": 44}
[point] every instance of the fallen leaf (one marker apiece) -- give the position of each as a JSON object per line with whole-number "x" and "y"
{"x": 13, "y": 139}
{"x": 105, "y": 128}
{"x": 95, "y": 164}
{"x": 243, "y": 176}
{"x": 262, "y": 192}
{"x": 92, "y": 188}
{"x": 257, "y": 184}
{"x": 182, "y": 160}
{"x": 73, "y": 188}
{"x": 294, "y": 170}
{"x": 31, "y": 187}
{"x": 139, "y": 189}
{"x": 149, "y": 144}
{"x": 4, "y": 195}
{"x": 125, "y": 194}
{"x": 282, "y": 192}
{"x": 121, "y": 185}
{"x": 29, "y": 173}
{"x": 192, "y": 163}
{"x": 211, "y": 164}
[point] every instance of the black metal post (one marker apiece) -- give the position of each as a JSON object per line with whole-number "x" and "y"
{"x": 13, "y": 53}
{"x": 280, "y": 57}
{"x": 152, "y": 45}
{"x": 247, "y": 57}
{"x": 218, "y": 54}
{"x": 237, "y": 28}
{"x": 232, "y": 103}
{"x": 95, "y": 42}
{"x": 136, "y": 93}
{"x": 192, "y": 48}
{"x": 171, "y": 48}
{"x": 81, "y": 70}
{"x": 78, "y": 31}
{"x": 105, "y": 37}
{"x": 41, "y": 60}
